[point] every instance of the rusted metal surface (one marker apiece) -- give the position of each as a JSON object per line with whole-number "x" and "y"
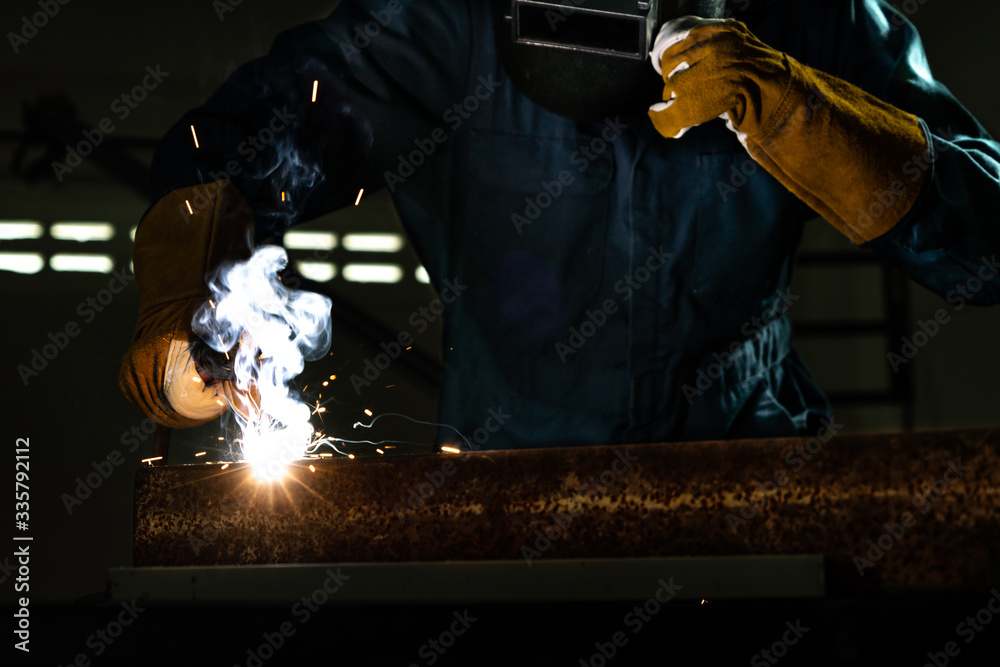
{"x": 889, "y": 512}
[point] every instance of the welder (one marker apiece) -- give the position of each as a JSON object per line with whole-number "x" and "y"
{"x": 621, "y": 187}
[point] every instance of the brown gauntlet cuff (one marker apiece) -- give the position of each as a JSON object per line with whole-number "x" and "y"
{"x": 180, "y": 240}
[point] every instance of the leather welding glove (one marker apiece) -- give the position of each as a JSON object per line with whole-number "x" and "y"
{"x": 826, "y": 140}
{"x": 175, "y": 248}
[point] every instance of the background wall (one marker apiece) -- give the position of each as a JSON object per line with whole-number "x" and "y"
{"x": 72, "y": 410}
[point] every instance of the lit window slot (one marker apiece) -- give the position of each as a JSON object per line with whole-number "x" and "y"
{"x": 12, "y": 230}
{"x": 87, "y": 263}
{"x": 373, "y": 273}
{"x": 310, "y": 240}
{"x": 21, "y": 262}
{"x": 373, "y": 242}
{"x": 321, "y": 272}
{"x": 421, "y": 275}
{"x": 82, "y": 231}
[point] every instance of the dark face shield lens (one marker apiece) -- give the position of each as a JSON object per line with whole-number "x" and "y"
{"x": 612, "y": 28}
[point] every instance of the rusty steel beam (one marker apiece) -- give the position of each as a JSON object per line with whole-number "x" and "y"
{"x": 889, "y": 512}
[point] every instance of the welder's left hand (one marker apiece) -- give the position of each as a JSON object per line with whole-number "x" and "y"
{"x": 829, "y": 142}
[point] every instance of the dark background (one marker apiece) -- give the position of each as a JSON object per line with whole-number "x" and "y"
{"x": 75, "y": 415}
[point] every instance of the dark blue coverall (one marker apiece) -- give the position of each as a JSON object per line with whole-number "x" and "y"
{"x": 621, "y": 287}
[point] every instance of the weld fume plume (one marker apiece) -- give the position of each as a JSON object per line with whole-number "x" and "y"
{"x": 277, "y": 330}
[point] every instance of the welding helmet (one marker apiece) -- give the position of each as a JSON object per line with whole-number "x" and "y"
{"x": 587, "y": 59}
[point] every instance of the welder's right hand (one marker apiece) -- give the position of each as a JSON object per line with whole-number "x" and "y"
{"x": 179, "y": 241}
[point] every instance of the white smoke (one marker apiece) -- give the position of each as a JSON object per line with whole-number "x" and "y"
{"x": 277, "y": 329}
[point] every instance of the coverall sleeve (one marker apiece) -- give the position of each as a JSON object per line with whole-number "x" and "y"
{"x": 951, "y": 234}
{"x": 383, "y": 72}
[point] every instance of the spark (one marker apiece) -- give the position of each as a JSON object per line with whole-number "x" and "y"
{"x": 220, "y": 335}
{"x": 315, "y": 88}
{"x": 368, "y": 412}
{"x": 358, "y": 200}
{"x": 350, "y": 456}
{"x": 325, "y": 455}
{"x": 453, "y": 450}
{"x": 312, "y": 467}
{"x": 379, "y": 450}
{"x": 225, "y": 466}
{"x": 190, "y": 210}
{"x": 325, "y": 383}
{"x": 195, "y": 135}
{"x": 201, "y": 453}
{"x": 333, "y": 377}
{"x": 150, "y": 460}
{"x": 282, "y": 195}
{"x": 196, "y": 378}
